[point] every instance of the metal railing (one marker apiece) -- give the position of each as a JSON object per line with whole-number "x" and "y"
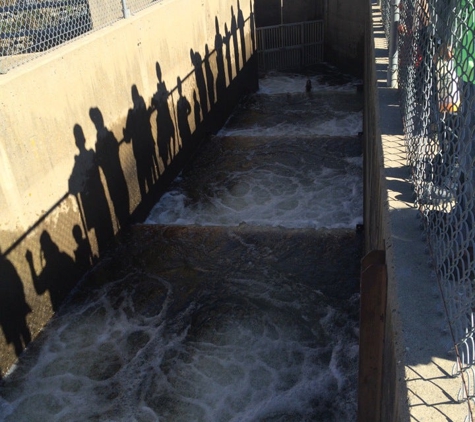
{"x": 436, "y": 80}
{"x": 29, "y": 28}
{"x": 290, "y": 46}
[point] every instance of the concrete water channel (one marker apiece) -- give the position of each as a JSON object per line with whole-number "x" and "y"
{"x": 237, "y": 299}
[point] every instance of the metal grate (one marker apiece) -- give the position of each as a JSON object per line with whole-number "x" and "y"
{"x": 29, "y": 28}
{"x": 290, "y": 46}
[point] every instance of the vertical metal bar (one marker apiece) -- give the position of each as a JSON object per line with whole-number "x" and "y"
{"x": 263, "y": 38}
{"x": 290, "y": 45}
{"x": 393, "y": 35}
{"x": 125, "y": 9}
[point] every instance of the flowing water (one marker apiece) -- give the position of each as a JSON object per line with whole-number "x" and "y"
{"x": 238, "y": 299}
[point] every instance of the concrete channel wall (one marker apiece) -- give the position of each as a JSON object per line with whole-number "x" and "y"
{"x": 93, "y": 132}
{"x": 344, "y": 34}
{"x": 376, "y": 222}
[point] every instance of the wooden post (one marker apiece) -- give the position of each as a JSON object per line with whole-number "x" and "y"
{"x": 373, "y": 292}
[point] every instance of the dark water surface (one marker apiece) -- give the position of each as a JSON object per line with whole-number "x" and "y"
{"x": 203, "y": 324}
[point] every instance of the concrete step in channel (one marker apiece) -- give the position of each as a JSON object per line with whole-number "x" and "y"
{"x": 314, "y": 113}
{"x": 292, "y": 159}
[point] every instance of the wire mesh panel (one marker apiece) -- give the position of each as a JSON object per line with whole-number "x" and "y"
{"x": 386, "y": 15}
{"x": 137, "y": 5}
{"x": 290, "y": 46}
{"x": 436, "y": 78}
{"x": 29, "y": 28}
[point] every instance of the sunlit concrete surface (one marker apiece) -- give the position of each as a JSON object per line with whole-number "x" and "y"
{"x": 421, "y": 335}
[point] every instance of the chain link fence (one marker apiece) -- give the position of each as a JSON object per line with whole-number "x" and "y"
{"x": 29, "y": 28}
{"x": 435, "y": 58}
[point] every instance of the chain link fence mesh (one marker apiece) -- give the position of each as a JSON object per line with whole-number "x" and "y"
{"x": 436, "y": 82}
{"x": 29, "y": 28}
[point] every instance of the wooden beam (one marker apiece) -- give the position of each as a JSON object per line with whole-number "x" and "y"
{"x": 373, "y": 291}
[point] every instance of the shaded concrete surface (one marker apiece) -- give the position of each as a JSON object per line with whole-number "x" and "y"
{"x": 422, "y": 342}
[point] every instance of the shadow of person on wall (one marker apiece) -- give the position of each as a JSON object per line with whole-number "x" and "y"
{"x": 240, "y": 26}
{"x": 234, "y": 35}
{"x": 227, "y": 43}
{"x": 252, "y": 23}
{"x": 209, "y": 77}
{"x": 59, "y": 273}
{"x": 197, "y": 62}
{"x": 86, "y": 185}
{"x": 221, "y": 72}
{"x": 183, "y": 111}
{"x": 13, "y": 307}
{"x": 139, "y": 132}
{"x": 82, "y": 254}
{"x": 108, "y": 160}
{"x": 196, "y": 108}
{"x": 166, "y": 138}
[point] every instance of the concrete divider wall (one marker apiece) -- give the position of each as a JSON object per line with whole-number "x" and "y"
{"x": 379, "y": 120}
{"x": 344, "y": 35}
{"x": 93, "y": 132}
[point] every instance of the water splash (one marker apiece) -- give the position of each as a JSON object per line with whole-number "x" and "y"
{"x": 245, "y": 351}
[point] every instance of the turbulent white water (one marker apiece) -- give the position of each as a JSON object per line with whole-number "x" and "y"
{"x": 315, "y": 197}
{"x": 279, "y": 82}
{"x": 263, "y": 353}
{"x": 260, "y": 347}
{"x": 287, "y": 184}
{"x": 343, "y": 124}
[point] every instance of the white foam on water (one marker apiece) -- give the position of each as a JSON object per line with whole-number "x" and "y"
{"x": 293, "y": 197}
{"x": 343, "y": 124}
{"x": 280, "y": 83}
{"x": 296, "y": 198}
{"x": 270, "y": 356}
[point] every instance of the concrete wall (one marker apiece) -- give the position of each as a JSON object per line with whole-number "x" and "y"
{"x": 344, "y": 34}
{"x": 393, "y": 406}
{"x": 92, "y": 133}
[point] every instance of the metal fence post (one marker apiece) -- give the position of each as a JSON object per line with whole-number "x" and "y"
{"x": 281, "y": 12}
{"x": 125, "y": 9}
{"x": 393, "y": 36}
